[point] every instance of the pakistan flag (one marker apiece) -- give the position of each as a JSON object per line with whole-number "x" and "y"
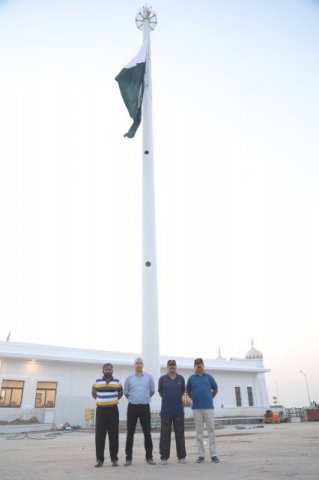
{"x": 131, "y": 82}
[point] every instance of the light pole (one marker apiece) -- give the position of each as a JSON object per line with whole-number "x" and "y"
{"x": 306, "y": 385}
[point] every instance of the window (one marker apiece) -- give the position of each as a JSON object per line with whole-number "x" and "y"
{"x": 238, "y": 396}
{"x": 45, "y": 394}
{"x": 11, "y": 393}
{"x": 250, "y": 396}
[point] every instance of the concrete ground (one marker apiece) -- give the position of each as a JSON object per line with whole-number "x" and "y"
{"x": 275, "y": 452}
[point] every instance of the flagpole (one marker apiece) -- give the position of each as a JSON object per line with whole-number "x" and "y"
{"x": 146, "y": 21}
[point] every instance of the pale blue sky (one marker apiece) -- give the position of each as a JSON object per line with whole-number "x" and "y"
{"x": 236, "y": 114}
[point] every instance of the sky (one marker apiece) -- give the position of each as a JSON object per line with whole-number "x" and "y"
{"x": 236, "y": 144}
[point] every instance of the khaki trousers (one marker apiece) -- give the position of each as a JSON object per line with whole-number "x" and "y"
{"x": 206, "y": 416}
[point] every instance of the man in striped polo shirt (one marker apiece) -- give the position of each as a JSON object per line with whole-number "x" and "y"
{"x": 107, "y": 392}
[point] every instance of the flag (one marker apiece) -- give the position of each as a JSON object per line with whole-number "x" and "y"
{"x": 131, "y": 80}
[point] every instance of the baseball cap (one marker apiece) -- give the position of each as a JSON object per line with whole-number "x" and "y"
{"x": 171, "y": 363}
{"x": 198, "y": 361}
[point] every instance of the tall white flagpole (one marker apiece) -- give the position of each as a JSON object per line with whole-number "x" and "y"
{"x": 146, "y": 21}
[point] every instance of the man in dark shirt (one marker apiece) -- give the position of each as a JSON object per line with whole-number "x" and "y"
{"x": 171, "y": 388}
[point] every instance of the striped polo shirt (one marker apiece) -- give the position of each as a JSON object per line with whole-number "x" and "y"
{"x": 107, "y": 391}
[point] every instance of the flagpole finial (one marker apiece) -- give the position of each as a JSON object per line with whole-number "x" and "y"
{"x": 146, "y": 14}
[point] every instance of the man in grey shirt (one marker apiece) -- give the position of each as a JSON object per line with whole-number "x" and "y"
{"x": 139, "y": 388}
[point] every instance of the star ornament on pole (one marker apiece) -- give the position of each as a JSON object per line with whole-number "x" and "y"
{"x": 146, "y": 13}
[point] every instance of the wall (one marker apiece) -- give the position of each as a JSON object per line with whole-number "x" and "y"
{"x": 74, "y": 390}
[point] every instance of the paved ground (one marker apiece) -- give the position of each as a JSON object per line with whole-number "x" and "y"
{"x": 275, "y": 452}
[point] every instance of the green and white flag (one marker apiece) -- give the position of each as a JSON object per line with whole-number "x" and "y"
{"x": 131, "y": 80}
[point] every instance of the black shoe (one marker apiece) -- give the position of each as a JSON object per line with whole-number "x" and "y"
{"x": 99, "y": 463}
{"x": 150, "y": 461}
{"x": 200, "y": 460}
{"x": 215, "y": 459}
{"x": 127, "y": 462}
{"x": 114, "y": 463}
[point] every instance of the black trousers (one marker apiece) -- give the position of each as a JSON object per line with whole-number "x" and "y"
{"x": 107, "y": 422}
{"x": 165, "y": 437}
{"x": 143, "y": 413}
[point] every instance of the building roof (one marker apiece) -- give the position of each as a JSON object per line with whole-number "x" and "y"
{"x": 53, "y": 353}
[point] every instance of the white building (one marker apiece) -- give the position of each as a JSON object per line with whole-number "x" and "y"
{"x": 54, "y": 383}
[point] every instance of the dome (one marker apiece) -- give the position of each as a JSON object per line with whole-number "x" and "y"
{"x": 253, "y": 353}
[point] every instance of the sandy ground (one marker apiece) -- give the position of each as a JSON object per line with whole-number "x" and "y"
{"x": 275, "y": 452}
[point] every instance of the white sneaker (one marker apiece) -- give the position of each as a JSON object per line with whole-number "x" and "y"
{"x": 182, "y": 460}
{"x": 164, "y": 461}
